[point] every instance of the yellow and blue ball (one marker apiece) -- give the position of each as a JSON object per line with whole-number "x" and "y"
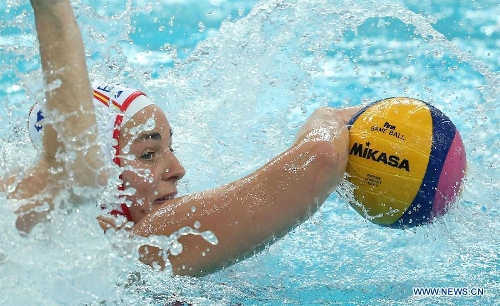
{"x": 406, "y": 161}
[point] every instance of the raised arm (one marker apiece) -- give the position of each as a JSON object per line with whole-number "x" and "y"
{"x": 251, "y": 212}
{"x": 68, "y": 91}
{"x": 71, "y": 157}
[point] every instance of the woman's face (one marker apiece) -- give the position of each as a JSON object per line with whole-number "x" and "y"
{"x": 151, "y": 170}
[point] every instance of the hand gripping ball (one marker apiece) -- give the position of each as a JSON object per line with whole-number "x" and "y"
{"x": 406, "y": 162}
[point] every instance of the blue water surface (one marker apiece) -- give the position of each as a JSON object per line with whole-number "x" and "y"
{"x": 236, "y": 79}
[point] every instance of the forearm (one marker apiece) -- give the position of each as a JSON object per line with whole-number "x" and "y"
{"x": 251, "y": 212}
{"x": 63, "y": 62}
{"x": 68, "y": 91}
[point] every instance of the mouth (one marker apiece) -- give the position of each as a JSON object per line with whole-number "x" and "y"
{"x": 164, "y": 199}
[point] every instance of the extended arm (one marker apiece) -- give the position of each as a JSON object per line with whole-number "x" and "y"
{"x": 251, "y": 212}
{"x": 70, "y": 157}
{"x": 68, "y": 91}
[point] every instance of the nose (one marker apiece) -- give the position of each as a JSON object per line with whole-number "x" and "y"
{"x": 174, "y": 169}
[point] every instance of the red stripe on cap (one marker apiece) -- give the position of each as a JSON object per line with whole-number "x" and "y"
{"x": 123, "y": 107}
{"x": 116, "y": 137}
{"x": 125, "y": 211}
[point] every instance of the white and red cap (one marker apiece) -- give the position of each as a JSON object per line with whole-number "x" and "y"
{"x": 114, "y": 105}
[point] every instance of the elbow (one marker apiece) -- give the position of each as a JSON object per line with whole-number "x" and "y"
{"x": 29, "y": 215}
{"x": 87, "y": 168}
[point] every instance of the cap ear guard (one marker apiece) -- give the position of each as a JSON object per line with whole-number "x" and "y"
{"x": 35, "y": 125}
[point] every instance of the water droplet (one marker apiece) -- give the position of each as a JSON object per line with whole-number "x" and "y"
{"x": 175, "y": 248}
{"x": 210, "y": 237}
{"x": 201, "y": 27}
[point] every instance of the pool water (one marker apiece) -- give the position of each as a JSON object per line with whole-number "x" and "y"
{"x": 236, "y": 79}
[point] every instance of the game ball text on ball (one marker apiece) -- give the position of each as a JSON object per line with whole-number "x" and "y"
{"x": 406, "y": 161}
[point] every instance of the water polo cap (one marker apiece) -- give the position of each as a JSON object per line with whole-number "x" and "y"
{"x": 114, "y": 106}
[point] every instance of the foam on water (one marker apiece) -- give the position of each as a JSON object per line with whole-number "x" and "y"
{"x": 236, "y": 83}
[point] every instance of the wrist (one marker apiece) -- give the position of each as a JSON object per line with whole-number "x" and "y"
{"x": 36, "y": 4}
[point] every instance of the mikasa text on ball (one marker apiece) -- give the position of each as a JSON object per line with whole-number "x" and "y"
{"x": 406, "y": 161}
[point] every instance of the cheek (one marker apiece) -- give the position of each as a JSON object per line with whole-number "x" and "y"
{"x": 140, "y": 180}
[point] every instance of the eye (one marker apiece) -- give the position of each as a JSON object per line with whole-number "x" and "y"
{"x": 148, "y": 155}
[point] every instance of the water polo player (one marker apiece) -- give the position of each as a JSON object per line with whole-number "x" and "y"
{"x": 120, "y": 109}
{"x": 244, "y": 215}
